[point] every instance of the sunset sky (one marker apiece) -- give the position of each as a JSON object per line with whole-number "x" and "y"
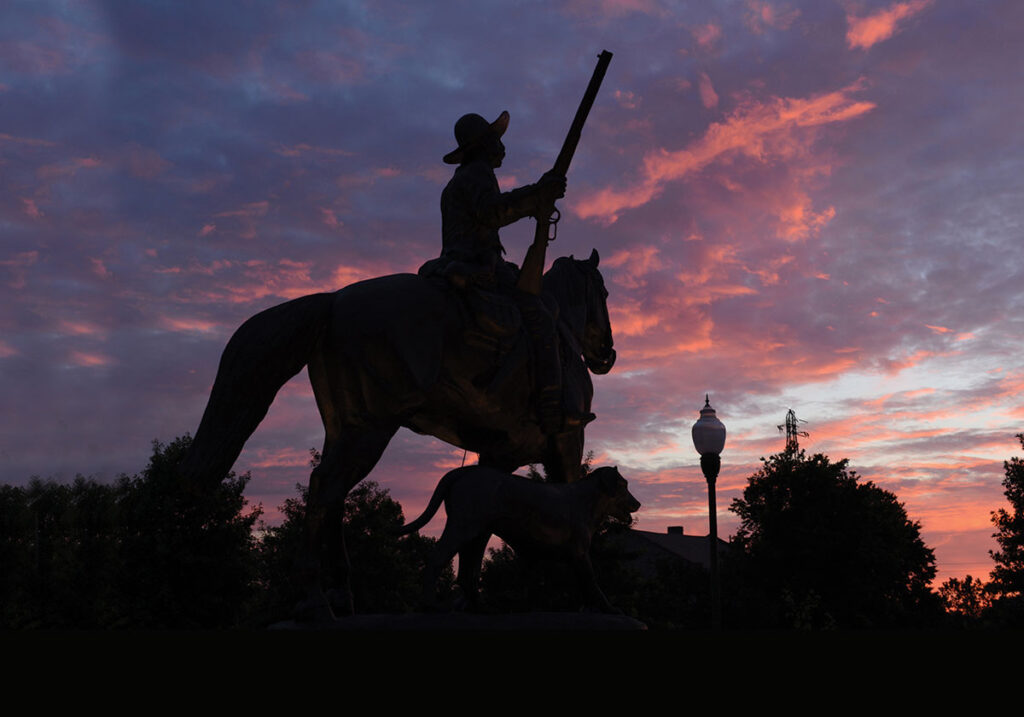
{"x": 812, "y": 204}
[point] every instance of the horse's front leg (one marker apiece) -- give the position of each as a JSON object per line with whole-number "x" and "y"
{"x": 564, "y": 459}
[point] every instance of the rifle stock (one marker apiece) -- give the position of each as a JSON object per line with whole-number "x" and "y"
{"x": 533, "y": 263}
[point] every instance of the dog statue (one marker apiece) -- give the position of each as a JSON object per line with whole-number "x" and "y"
{"x": 556, "y": 519}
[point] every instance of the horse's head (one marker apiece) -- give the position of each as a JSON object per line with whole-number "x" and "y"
{"x": 578, "y": 287}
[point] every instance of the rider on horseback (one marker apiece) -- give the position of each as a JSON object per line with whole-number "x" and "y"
{"x": 473, "y": 208}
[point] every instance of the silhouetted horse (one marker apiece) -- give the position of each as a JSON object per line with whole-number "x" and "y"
{"x": 391, "y": 352}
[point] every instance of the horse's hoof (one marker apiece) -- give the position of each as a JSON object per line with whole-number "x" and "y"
{"x": 433, "y": 608}
{"x": 314, "y": 611}
{"x": 341, "y": 601}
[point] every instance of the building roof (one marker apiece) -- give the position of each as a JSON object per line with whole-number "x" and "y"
{"x": 692, "y": 548}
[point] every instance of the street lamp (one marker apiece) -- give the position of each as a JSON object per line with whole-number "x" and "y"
{"x": 709, "y": 440}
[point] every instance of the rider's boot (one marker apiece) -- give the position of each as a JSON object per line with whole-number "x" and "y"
{"x": 552, "y": 414}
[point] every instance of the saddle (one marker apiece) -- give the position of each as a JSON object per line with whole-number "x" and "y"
{"x": 492, "y": 320}
{"x": 512, "y": 328}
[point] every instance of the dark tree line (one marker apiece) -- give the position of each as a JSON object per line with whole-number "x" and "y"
{"x": 817, "y": 548}
{"x": 142, "y": 552}
{"x": 147, "y": 552}
{"x": 999, "y": 602}
{"x": 385, "y": 568}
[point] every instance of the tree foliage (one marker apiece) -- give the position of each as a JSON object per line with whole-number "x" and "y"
{"x": 142, "y": 552}
{"x": 188, "y": 557}
{"x": 1007, "y": 578}
{"x": 816, "y": 549}
{"x": 966, "y": 599}
{"x": 1006, "y": 581}
{"x": 385, "y": 569}
{"x": 149, "y": 551}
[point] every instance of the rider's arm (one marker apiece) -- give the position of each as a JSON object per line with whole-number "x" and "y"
{"x": 497, "y": 209}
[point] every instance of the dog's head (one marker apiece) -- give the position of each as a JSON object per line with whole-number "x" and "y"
{"x": 620, "y": 502}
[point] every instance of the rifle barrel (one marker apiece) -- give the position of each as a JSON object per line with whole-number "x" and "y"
{"x": 576, "y": 129}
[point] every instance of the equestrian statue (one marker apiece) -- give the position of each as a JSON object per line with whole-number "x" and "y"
{"x": 472, "y": 350}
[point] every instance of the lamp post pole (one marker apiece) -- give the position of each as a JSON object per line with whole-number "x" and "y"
{"x": 709, "y": 440}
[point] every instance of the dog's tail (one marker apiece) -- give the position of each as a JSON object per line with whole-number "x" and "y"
{"x": 440, "y": 493}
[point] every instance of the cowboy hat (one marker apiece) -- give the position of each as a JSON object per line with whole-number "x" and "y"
{"x": 471, "y": 130}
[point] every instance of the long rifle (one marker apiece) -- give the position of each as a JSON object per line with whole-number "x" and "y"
{"x": 533, "y": 263}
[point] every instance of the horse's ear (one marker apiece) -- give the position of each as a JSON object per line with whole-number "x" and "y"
{"x": 572, "y": 258}
{"x": 594, "y": 258}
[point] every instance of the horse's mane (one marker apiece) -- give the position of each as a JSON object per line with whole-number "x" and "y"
{"x": 562, "y": 279}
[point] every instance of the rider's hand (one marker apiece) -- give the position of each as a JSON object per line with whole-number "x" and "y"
{"x": 552, "y": 186}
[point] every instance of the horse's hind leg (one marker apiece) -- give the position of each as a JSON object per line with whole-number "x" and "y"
{"x": 348, "y": 456}
{"x": 350, "y": 452}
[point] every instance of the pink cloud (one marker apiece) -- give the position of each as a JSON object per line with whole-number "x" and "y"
{"x": 32, "y": 58}
{"x": 630, "y": 318}
{"x": 761, "y": 14}
{"x": 507, "y": 182}
{"x": 606, "y": 9}
{"x": 636, "y": 262}
{"x": 895, "y": 365}
{"x": 863, "y": 32}
{"x": 345, "y": 275}
{"x": 26, "y": 140}
{"x": 798, "y": 221}
{"x": 99, "y": 268}
{"x": 247, "y": 216}
{"x": 329, "y": 217}
{"x": 282, "y": 457}
{"x": 300, "y": 149}
{"x": 768, "y": 271}
{"x": 626, "y": 99}
{"x": 708, "y": 96}
{"x": 707, "y": 36}
{"x": 331, "y": 67}
{"x": 253, "y": 209}
{"x": 256, "y": 280}
{"x": 144, "y": 162}
{"x": 18, "y": 265}
{"x": 81, "y": 328}
{"x": 30, "y": 208}
{"x": 762, "y": 131}
{"x": 89, "y": 360}
{"x": 188, "y": 325}
{"x": 68, "y": 168}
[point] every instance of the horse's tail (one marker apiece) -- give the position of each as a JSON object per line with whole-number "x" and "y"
{"x": 440, "y": 493}
{"x": 264, "y": 353}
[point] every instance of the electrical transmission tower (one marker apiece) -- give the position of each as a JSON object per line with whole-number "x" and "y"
{"x": 792, "y": 431}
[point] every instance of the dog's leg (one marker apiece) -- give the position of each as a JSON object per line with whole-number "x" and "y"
{"x": 442, "y": 555}
{"x": 471, "y": 557}
{"x": 593, "y": 595}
